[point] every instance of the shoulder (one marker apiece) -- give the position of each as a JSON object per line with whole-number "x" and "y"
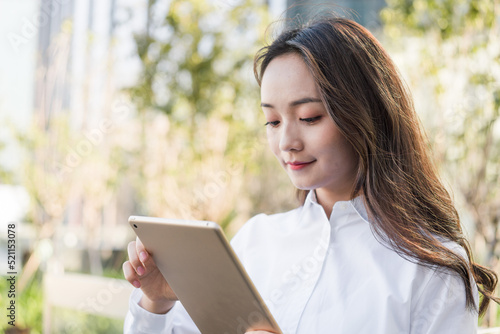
{"x": 440, "y": 304}
{"x": 458, "y": 250}
{"x": 445, "y": 287}
{"x": 437, "y": 275}
{"x": 265, "y": 226}
{"x": 454, "y": 247}
{"x": 272, "y": 221}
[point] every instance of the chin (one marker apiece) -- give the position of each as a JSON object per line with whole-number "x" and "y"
{"x": 302, "y": 186}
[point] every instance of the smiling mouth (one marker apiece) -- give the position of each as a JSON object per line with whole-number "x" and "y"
{"x": 296, "y": 165}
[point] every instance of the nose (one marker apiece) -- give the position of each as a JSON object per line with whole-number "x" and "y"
{"x": 290, "y": 139}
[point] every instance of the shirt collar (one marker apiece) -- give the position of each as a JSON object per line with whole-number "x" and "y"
{"x": 357, "y": 204}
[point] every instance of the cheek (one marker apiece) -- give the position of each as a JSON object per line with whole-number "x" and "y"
{"x": 273, "y": 141}
{"x": 336, "y": 148}
{"x": 344, "y": 154}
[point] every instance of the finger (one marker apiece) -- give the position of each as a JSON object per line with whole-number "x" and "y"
{"x": 141, "y": 250}
{"x": 134, "y": 259}
{"x": 139, "y": 245}
{"x": 144, "y": 256}
{"x": 130, "y": 274}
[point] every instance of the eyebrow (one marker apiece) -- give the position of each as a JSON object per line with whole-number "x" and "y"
{"x": 294, "y": 103}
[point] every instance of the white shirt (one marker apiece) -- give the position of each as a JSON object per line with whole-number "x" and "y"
{"x": 320, "y": 275}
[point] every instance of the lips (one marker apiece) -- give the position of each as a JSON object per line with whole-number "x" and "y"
{"x": 296, "y": 165}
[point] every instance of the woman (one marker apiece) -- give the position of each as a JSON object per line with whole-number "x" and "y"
{"x": 376, "y": 246}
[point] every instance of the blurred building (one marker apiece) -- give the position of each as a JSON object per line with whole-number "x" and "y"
{"x": 63, "y": 57}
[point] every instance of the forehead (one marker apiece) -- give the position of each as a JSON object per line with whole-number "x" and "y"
{"x": 287, "y": 77}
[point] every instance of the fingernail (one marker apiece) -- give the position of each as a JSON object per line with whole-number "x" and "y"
{"x": 140, "y": 271}
{"x": 143, "y": 256}
{"x": 136, "y": 284}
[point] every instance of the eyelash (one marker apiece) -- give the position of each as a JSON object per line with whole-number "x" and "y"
{"x": 309, "y": 120}
{"x": 273, "y": 124}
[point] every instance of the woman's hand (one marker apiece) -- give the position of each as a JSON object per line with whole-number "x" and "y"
{"x": 141, "y": 271}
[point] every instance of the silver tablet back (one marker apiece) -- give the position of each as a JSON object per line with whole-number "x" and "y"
{"x": 205, "y": 274}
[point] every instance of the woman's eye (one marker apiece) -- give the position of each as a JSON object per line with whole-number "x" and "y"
{"x": 273, "y": 124}
{"x": 311, "y": 119}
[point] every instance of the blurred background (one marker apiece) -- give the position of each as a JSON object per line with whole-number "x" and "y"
{"x": 118, "y": 107}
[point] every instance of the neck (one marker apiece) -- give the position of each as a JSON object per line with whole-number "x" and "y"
{"x": 328, "y": 199}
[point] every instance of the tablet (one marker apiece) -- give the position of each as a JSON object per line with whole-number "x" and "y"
{"x": 204, "y": 272}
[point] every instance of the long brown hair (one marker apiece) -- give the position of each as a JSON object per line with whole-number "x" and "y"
{"x": 410, "y": 209}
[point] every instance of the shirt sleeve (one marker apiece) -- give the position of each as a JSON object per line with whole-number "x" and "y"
{"x": 441, "y": 307}
{"x": 140, "y": 321}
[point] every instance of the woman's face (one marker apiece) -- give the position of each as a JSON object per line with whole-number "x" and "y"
{"x": 301, "y": 134}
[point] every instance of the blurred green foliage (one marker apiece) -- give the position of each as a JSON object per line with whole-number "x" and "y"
{"x": 194, "y": 64}
{"x": 197, "y": 70}
{"x": 75, "y": 322}
{"x": 448, "y": 17}
{"x": 29, "y": 305}
{"x": 5, "y": 175}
